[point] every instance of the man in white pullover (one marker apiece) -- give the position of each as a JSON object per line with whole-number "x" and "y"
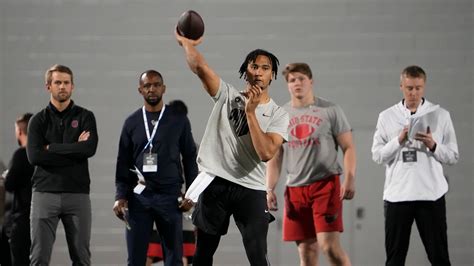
{"x": 413, "y": 139}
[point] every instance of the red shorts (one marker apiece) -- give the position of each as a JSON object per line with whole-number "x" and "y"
{"x": 312, "y": 209}
{"x": 156, "y": 253}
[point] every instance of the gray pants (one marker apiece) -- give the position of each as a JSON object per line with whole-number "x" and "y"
{"x": 74, "y": 209}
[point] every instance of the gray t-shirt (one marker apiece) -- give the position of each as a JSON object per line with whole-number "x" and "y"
{"x": 311, "y": 151}
{"x": 226, "y": 148}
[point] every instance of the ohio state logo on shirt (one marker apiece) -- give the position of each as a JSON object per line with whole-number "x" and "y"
{"x": 301, "y": 129}
{"x": 74, "y": 123}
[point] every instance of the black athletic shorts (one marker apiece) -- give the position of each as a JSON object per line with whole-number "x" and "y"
{"x": 223, "y": 198}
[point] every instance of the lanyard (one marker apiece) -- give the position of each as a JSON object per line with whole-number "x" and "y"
{"x": 147, "y": 130}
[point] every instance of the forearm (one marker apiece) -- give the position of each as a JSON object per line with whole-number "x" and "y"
{"x": 198, "y": 65}
{"x": 385, "y": 152}
{"x": 447, "y": 153}
{"x": 78, "y": 150}
{"x": 123, "y": 181}
{"x": 124, "y": 178}
{"x": 36, "y": 151}
{"x": 264, "y": 145}
{"x": 190, "y": 171}
{"x": 41, "y": 157}
{"x": 350, "y": 164}
{"x": 385, "y": 146}
{"x": 272, "y": 179}
{"x": 121, "y": 190}
{"x": 274, "y": 170}
{"x": 194, "y": 58}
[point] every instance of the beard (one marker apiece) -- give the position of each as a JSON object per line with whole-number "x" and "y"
{"x": 153, "y": 101}
{"x": 19, "y": 142}
{"x": 62, "y": 97}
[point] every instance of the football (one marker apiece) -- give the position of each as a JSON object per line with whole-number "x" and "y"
{"x": 190, "y": 25}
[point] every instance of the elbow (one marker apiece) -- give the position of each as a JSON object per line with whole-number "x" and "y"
{"x": 33, "y": 158}
{"x": 378, "y": 155}
{"x": 453, "y": 160}
{"x": 265, "y": 157}
{"x": 84, "y": 154}
{"x": 91, "y": 150}
{"x": 377, "y": 158}
{"x": 90, "y": 153}
{"x": 268, "y": 154}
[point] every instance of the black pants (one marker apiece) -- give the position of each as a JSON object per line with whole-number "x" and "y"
{"x": 20, "y": 242}
{"x": 217, "y": 203}
{"x": 5, "y": 258}
{"x": 162, "y": 209}
{"x": 430, "y": 218}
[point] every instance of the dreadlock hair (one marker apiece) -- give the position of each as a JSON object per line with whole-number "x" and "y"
{"x": 252, "y": 56}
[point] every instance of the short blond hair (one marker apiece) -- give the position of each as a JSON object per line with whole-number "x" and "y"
{"x": 48, "y": 76}
{"x": 413, "y": 71}
{"x": 302, "y": 68}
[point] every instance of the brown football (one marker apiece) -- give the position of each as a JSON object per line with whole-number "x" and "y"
{"x": 190, "y": 25}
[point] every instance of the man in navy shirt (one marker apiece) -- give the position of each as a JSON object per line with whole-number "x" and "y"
{"x": 156, "y": 145}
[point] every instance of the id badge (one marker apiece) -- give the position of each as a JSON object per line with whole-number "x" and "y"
{"x": 409, "y": 156}
{"x": 150, "y": 162}
{"x": 138, "y": 189}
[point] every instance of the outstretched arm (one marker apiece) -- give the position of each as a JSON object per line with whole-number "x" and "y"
{"x": 198, "y": 65}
